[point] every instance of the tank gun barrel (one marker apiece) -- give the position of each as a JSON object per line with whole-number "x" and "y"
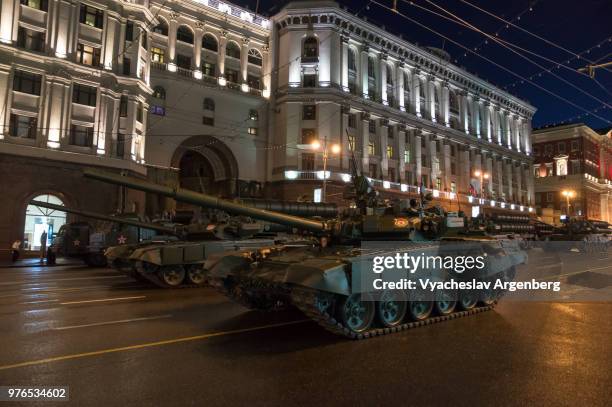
{"x": 208, "y": 201}
{"x": 98, "y": 216}
{"x": 325, "y": 210}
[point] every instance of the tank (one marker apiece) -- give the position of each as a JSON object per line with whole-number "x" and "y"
{"x": 178, "y": 261}
{"x": 581, "y": 235}
{"x": 324, "y": 276}
{"x": 84, "y": 241}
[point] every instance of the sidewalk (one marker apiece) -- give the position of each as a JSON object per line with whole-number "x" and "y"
{"x": 35, "y": 262}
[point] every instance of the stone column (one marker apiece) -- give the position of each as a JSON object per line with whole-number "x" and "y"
{"x": 431, "y": 99}
{"x": 446, "y": 165}
{"x": 266, "y": 70}
{"x": 507, "y": 131}
{"x": 221, "y": 54}
{"x": 5, "y": 89}
{"x": 364, "y": 70}
{"x": 476, "y": 116}
{"x": 518, "y": 174}
{"x": 346, "y": 153}
{"x": 400, "y": 133}
{"x": 509, "y": 197}
{"x": 489, "y": 170}
{"x": 172, "y": 28}
{"x": 244, "y": 51}
{"x": 197, "y": 49}
{"x": 382, "y": 83}
{"x": 465, "y": 171}
{"x": 9, "y": 19}
{"x": 416, "y": 93}
{"x": 399, "y": 80}
{"x": 365, "y": 135}
{"x": 445, "y": 102}
{"x": 111, "y": 40}
{"x": 384, "y": 141}
{"x": 464, "y": 101}
{"x": 433, "y": 160}
{"x": 418, "y": 162}
{"x": 344, "y": 62}
{"x": 500, "y": 176}
{"x": 487, "y": 120}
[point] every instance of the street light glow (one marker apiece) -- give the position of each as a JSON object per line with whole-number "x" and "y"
{"x": 568, "y": 193}
{"x": 335, "y": 149}
{"x": 315, "y": 145}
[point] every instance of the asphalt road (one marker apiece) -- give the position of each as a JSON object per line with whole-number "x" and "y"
{"x": 118, "y": 342}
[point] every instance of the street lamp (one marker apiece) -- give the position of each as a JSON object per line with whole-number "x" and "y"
{"x": 334, "y": 149}
{"x": 567, "y": 193}
{"x": 482, "y": 176}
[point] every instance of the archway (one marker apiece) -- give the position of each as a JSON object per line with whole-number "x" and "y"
{"x": 39, "y": 219}
{"x": 206, "y": 165}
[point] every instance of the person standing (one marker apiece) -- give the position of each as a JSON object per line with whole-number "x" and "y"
{"x": 15, "y": 250}
{"x": 43, "y": 245}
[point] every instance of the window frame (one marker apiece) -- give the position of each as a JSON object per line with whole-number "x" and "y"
{"x": 14, "y": 126}
{"x": 22, "y": 78}
{"x": 88, "y": 91}
{"x": 95, "y": 13}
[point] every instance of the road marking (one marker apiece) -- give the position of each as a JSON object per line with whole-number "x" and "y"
{"x": 60, "y": 279}
{"x": 103, "y": 300}
{"x": 37, "y": 302}
{"x": 150, "y": 344}
{"x": 573, "y": 273}
{"x": 122, "y": 321}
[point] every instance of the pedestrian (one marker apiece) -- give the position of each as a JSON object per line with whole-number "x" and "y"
{"x": 43, "y": 245}
{"x": 15, "y": 250}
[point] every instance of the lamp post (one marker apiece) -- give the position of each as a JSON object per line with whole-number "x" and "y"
{"x": 568, "y": 194}
{"x": 334, "y": 149}
{"x": 482, "y": 176}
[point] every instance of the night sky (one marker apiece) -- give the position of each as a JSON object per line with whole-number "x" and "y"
{"x": 574, "y": 25}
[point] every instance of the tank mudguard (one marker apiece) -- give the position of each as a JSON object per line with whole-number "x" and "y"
{"x": 320, "y": 274}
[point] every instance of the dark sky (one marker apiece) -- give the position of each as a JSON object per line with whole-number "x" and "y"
{"x": 573, "y": 25}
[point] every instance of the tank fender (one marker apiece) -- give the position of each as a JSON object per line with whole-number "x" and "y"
{"x": 328, "y": 275}
{"x": 150, "y": 255}
{"x": 225, "y": 264}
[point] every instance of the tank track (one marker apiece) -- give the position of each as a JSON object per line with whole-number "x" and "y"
{"x": 305, "y": 301}
{"x": 238, "y": 293}
{"x": 154, "y": 279}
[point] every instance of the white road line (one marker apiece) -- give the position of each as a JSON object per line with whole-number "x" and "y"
{"x": 121, "y": 321}
{"x": 37, "y": 302}
{"x": 103, "y": 300}
{"x": 31, "y": 282}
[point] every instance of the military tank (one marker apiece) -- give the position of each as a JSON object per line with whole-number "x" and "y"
{"x": 581, "y": 235}
{"x": 178, "y": 261}
{"x": 324, "y": 276}
{"x": 84, "y": 241}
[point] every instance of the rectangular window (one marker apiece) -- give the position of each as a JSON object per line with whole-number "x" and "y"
{"x": 84, "y": 95}
{"x": 352, "y": 120}
{"x": 453, "y": 187}
{"x": 308, "y": 136}
{"x": 252, "y": 131}
{"x": 91, "y": 16}
{"x": 88, "y": 55}
{"x": 561, "y": 147}
{"x": 254, "y": 82}
{"x": 438, "y": 184}
{"x": 209, "y": 69}
{"x": 231, "y": 75}
{"x": 548, "y": 149}
{"x": 371, "y": 148}
{"x": 81, "y": 136}
{"x": 127, "y": 66}
{"x": 31, "y": 40}
{"x": 372, "y": 126}
{"x": 253, "y": 115}
{"x": 575, "y": 145}
{"x": 183, "y": 61}
{"x": 41, "y": 5}
{"x": 536, "y": 151}
{"x": 391, "y": 174}
{"x": 208, "y": 121}
{"x": 139, "y": 112}
{"x": 351, "y": 142}
{"x": 389, "y": 151}
{"x": 407, "y": 156}
{"x": 373, "y": 170}
{"x": 308, "y": 162}
{"x": 309, "y": 112}
{"x": 158, "y": 110}
{"x": 123, "y": 106}
{"x": 310, "y": 81}
{"x": 22, "y": 126}
{"x": 157, "y": 55}
{"x": 26, "y": 82}
{"x": 575, "y": 166}
{"x": 549, "y": 197}
{"x": 129, "y": 31}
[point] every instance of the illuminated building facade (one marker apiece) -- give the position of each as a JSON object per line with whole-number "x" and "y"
{"x": 576, "y": 159}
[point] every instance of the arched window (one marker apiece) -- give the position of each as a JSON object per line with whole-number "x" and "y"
{"x": 209, "y": 42}
{"x": 232, "y": 50}
{"x": 389, "y": 75}
{"x": 184, "y": 34}
{"x": 255, "y": 57}
{"x": 159, "y": 92}
{"x": 40, "y": 219}
{"x": 209, "y": 104}
{"x": 352, "y": 60}
{"x": 161, "y": 28}
{"x": 311, "y": 47}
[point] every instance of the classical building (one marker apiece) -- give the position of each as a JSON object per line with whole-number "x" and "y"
{"x": 405, "y": 114}
{"x": 578, "y": 160}
{"x": 212, "y": 97}
{"x": 74, "y": 88}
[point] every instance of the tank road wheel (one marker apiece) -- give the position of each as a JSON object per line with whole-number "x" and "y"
{"x": 445, "y": 303}
{"x": 173, "y": 276}
{"x": 391, "y": 308}
{"x": 489, "y": 296}
{"x": 196, "y": 274}
{"x": 420, "y": 310}
{"x": 468, "y": 299}
{"x": 357, "y": 312}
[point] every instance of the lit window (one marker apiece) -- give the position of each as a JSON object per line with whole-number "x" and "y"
{"x": 91, "y": 16}
{"x": 407, "y": 156}
{"x": 41, "y": 5}
{"x": 159, "y": 92}
{"x": 389, "y": 151}
{"x": 351, "y": 142}
{"x": 252, "y": 131}
{"x": 88, "y": 55}
{"x": 157, "y": 55}
{"x": 371, "y": 148}
{"x": 253, "y": 115}
{"x": 158, "y": 110}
